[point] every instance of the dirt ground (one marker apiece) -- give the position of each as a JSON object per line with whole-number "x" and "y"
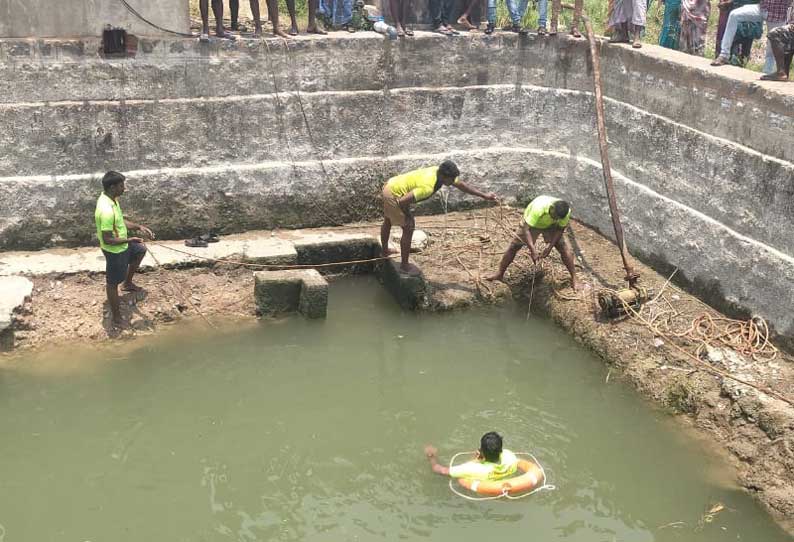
{"x": 675, "y": 350}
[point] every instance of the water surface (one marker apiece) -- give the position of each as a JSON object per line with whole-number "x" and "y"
{"x": 301, "y": 430}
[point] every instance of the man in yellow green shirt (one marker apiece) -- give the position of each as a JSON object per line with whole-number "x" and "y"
{"x": 402, "y": 191}
{"x": 548, "y": 216}
{"x": 123, "y": 254}
{"x": 492, "y": 462}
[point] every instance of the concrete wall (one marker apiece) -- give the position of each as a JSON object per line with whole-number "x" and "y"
{"x": 259, "y": 135}
{"x": 73, "y": 18}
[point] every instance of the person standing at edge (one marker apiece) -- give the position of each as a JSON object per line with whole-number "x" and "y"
{"x": 548, "y": 216}
{"x": 122, "y": 254}
{"x": 400, "y": 192}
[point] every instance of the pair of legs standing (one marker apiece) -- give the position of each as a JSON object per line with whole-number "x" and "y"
{"x": 399, "y": 12}
{"x": 120, "y": 268}
{"x": 627, "y": 19}
{"x": 750, "y": 13}
{"x": 526, "y": 235}
{"x": 556, "y": 6}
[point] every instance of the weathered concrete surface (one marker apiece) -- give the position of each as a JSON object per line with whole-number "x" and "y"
{"x": 263, "y": 249}
{"x": 292, "y": 290}
{"x": 14, "y": 291}
{"x": 335, "y": 247}
{"x": 43, "y": 18}
{"x": 726, "y": 102}
{"x": 410, "y": 291}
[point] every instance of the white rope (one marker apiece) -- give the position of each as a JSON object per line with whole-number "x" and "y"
{"x": 452, "y": 484}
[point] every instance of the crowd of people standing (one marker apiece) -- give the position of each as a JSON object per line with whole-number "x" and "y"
{"x": 740, "y": 23}
{"x": 684, "y": 27}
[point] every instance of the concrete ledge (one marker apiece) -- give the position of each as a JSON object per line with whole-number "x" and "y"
{"x": 260, "y": 248}
{"x": 292, "y": 290}
{"x": 14, "y": 291}
{"x": 337, "y": 247}
{"x": 409, "y": 291}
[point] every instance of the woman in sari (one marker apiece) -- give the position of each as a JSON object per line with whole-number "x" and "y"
{"x": 627, "y": 21}
{"x": 671, "y": 26}
{"x": 694, "y": 23}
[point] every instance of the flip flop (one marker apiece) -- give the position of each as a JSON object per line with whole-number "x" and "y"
{"x": 209, "y": 238}
{"x": 774, "y": 77}
{"x": 292, "y": 32}
{"x": 409, "y": 32}
{"x": 204, "y": 38}
{"x": 464, "y": 22}
{"x": 195, "y": 242}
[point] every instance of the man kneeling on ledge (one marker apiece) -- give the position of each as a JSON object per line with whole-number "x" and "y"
{"x": 548, "y": 216}
{"x": 122, "y": 254}
{"x": 400, "y": 192}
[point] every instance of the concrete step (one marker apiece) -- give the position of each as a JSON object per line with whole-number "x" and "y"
{"x": 294, "y": 290}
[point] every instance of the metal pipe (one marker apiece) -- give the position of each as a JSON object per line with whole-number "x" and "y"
{"x": 631, "y": 275}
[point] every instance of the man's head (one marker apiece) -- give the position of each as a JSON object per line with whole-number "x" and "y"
{"x": 559, "y": 209}
{"x": 447, "y": 172}
{"x": 491, "y": 446}
{"x": 113, "y": 184}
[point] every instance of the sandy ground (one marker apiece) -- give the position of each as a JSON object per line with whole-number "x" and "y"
{"x": 754, "y": 430}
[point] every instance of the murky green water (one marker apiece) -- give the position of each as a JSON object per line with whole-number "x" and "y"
{"x": 313, "y": 431}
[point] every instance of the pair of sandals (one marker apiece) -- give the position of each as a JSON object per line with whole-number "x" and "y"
{"x": 405, "y": 32}
{"x": 202, "y": 241}
{"x": 446, "y": 30}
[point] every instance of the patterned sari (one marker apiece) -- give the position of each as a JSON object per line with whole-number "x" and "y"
{"x": 671, "y": 26}
{"x": 694, "y": 23}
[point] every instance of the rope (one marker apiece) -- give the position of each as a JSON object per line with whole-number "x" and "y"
{"x": 505, "y": 492}
{"x": 150, "y": 23}
{"x": 749, "y": 331}
{"x": 178, "y": 290}
{"x": 272, "y": 266}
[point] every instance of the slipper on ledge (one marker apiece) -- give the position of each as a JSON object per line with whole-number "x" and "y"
{"x": 195, "y": 242}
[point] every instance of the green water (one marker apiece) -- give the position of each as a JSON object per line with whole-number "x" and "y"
{"x": 305, "y": 430}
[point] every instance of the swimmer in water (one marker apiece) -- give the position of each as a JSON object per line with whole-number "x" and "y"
{"x": 492, "y": 462}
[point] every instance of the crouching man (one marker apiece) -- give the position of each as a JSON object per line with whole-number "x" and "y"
{"x": 123, "y": 255}
{"x": 547, "y": 216}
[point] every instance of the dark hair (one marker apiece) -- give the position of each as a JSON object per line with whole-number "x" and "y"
{"x": 491, "y": 446}
{"x": 448, "y": 169}
{"x": 112, "y": 178}
{"x": 561, "y": 208}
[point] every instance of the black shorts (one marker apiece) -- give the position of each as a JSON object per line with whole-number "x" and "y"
{"x": 117, "y": 264}
{"x": 784, "y": 37}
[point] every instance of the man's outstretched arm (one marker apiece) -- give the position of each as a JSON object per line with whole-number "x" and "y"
{"x": 463, "y": 187}
{"x": 432, "y": 456}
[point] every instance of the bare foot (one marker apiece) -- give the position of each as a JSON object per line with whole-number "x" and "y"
{"x": 293, "y": 30}
{"x": 316, "y": 29}
{"x": 495, "y": 276}
{"x": 390, "y": 251}
{"x": 258, "y": 32}
{"x": 579, "y": 286}
{"x": 131, "y": 287}
{"x": 410, "y": 269}
{"x": 280, "y": 33}
{"x": 464, "y": 22}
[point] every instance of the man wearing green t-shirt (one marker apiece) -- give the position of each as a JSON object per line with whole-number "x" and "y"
{"x": 400, "y": 192}
{"x": 122, "y": 254}
{"x": 547, "y": 216}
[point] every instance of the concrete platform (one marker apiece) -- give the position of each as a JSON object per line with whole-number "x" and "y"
{"x": 265, "y": 247}
{"x": 291, "y": 290}
{"x": 410, "y": 291}
{"x": 14, "y": 291}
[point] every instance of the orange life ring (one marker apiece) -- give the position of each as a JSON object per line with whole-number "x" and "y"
{"x": 530, "y": 478}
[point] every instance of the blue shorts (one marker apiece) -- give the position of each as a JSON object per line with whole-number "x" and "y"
{"x": 117, "y": 264}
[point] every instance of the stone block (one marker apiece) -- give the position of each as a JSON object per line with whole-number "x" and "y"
{"x": 419, "y": 241}
{"x": 14, "y": 291}
{"x": 291, "y": 290}
{"x": 337, "y": 247}
{"x": 410, "y": 291}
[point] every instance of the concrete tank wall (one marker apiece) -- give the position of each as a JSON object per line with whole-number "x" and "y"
{"x": 256, "y": 135}
{"x": 73, "y": 18}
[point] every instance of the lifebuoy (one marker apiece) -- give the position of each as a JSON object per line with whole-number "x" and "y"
{"x": 530, "y": 478}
